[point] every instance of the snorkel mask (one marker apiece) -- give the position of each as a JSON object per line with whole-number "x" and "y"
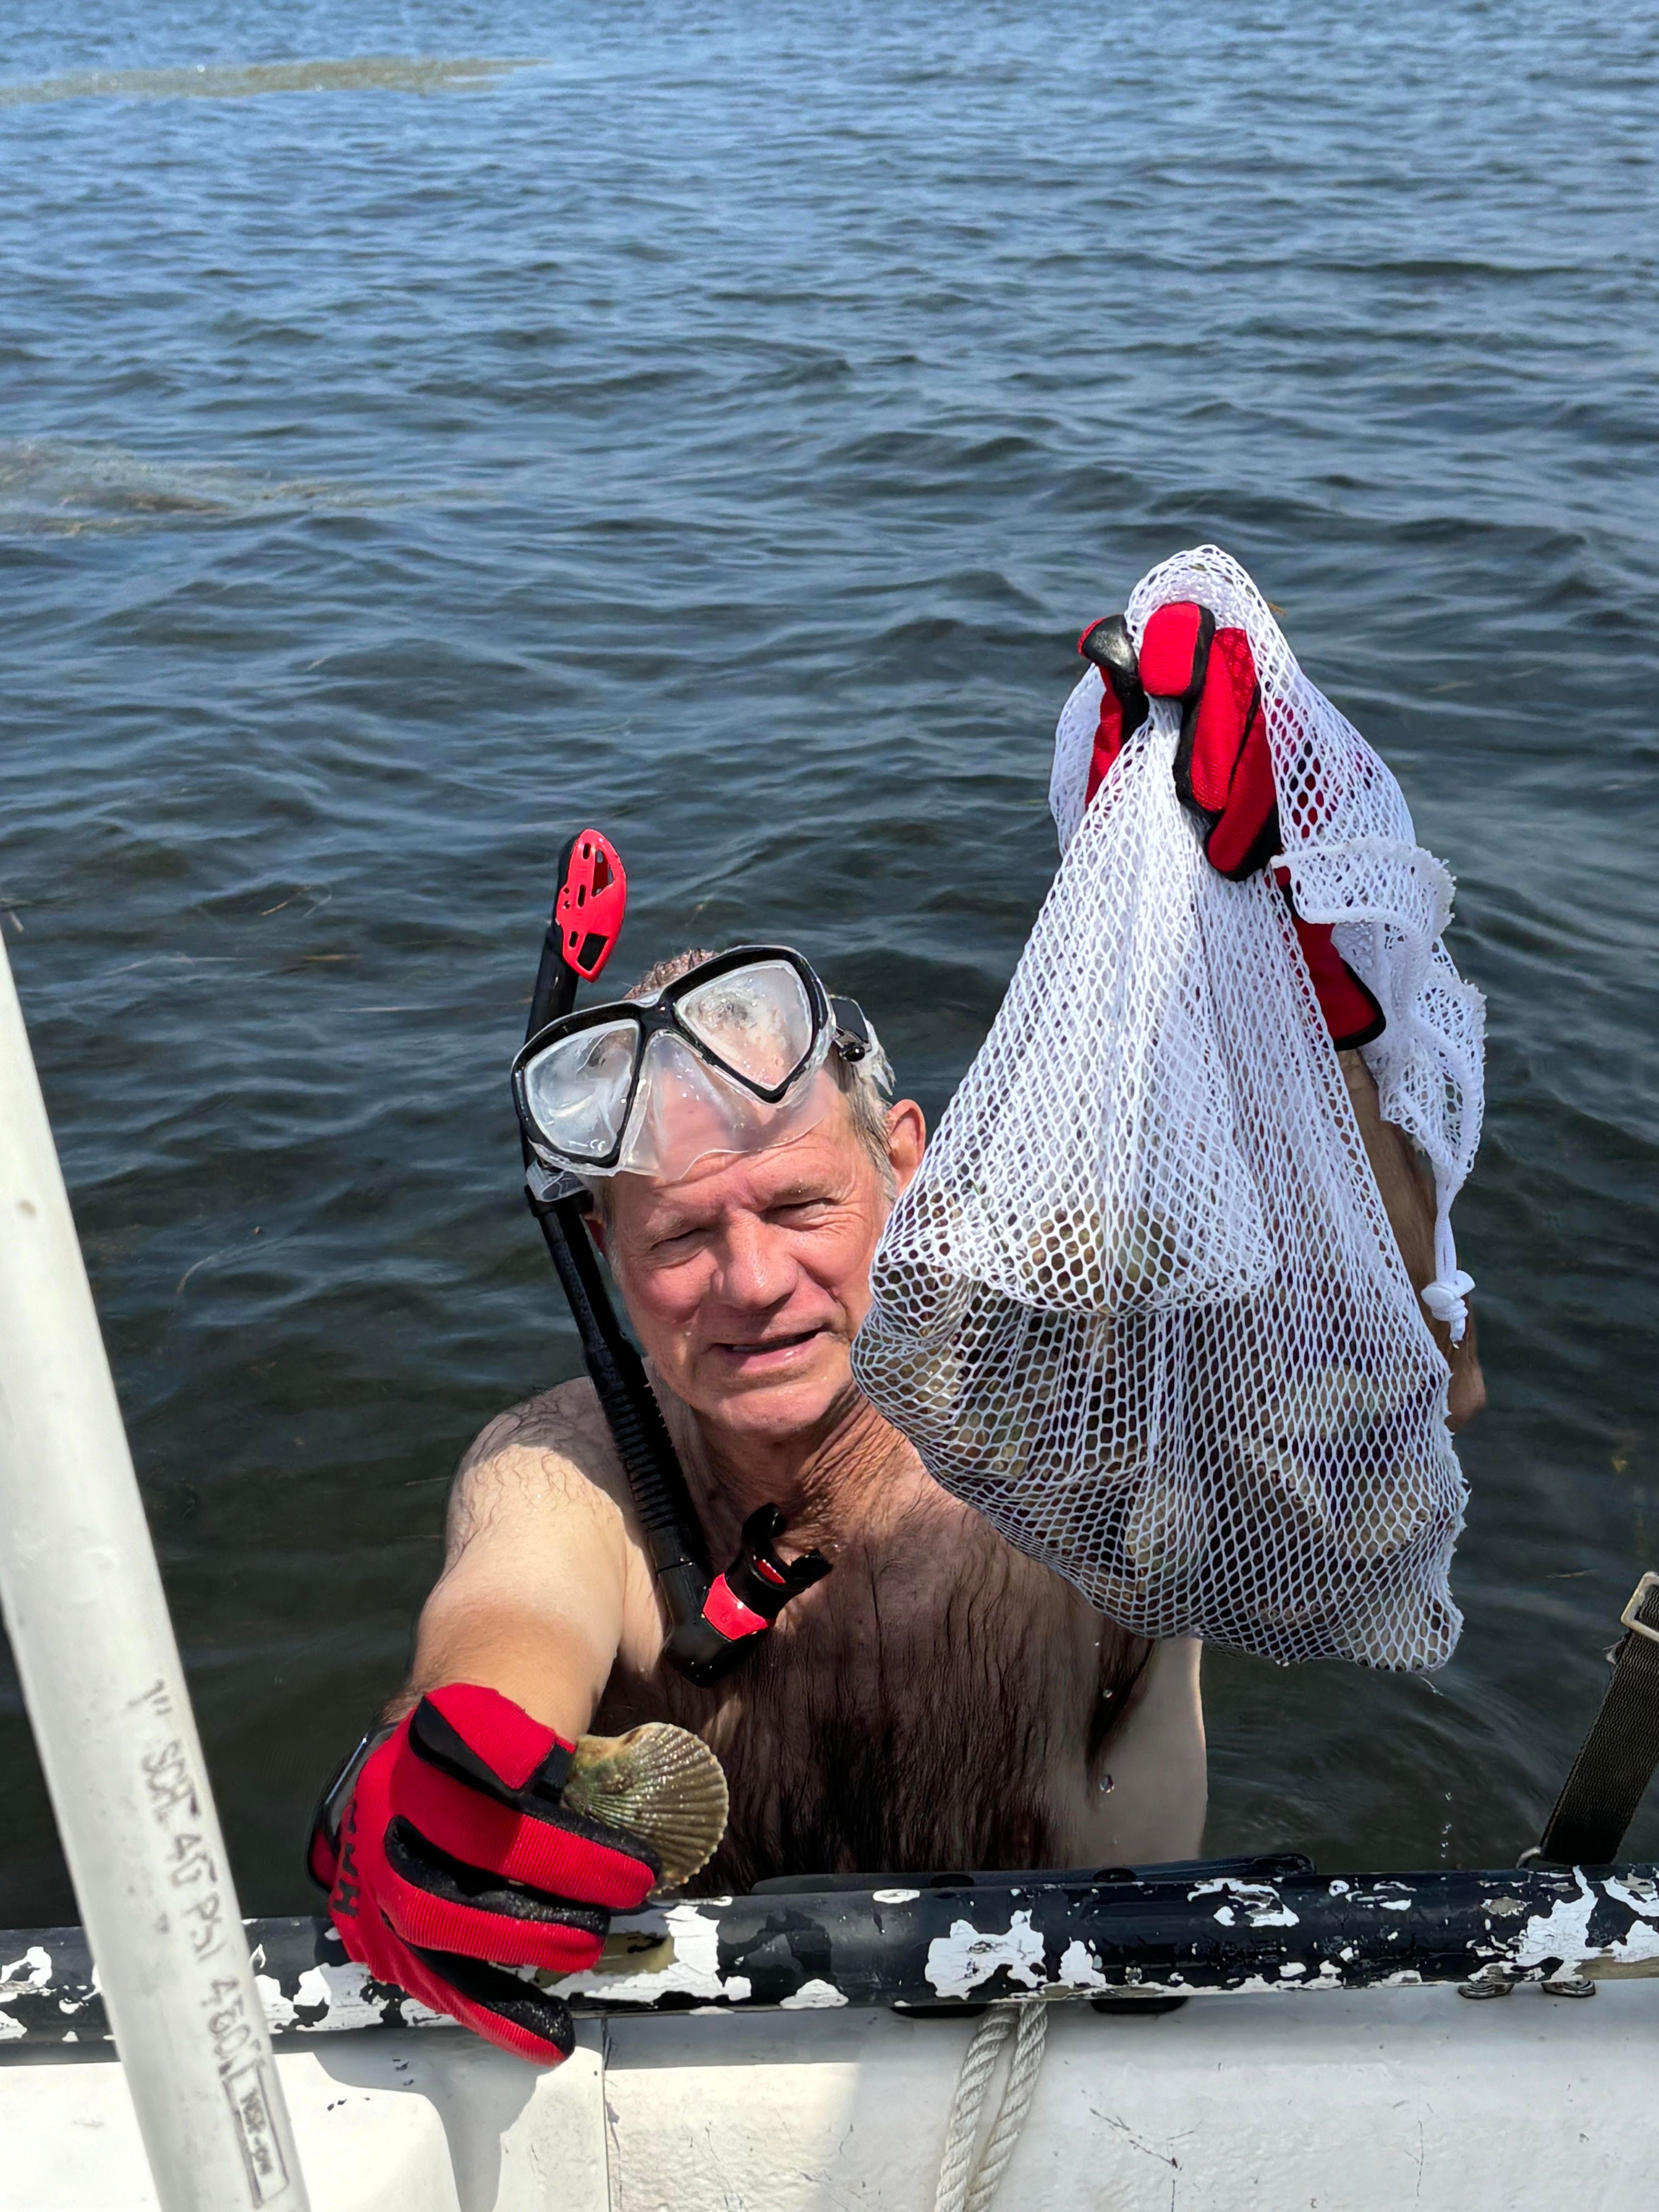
{"x": 728, "y": 1058}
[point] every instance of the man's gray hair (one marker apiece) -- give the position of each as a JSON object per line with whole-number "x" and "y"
{"x": 866, "y": 1084}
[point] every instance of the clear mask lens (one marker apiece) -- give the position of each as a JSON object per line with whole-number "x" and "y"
{"x": 756, "y": 1020}
{"x": 577, "y": 1089}
{"x": 686, "y": 1109}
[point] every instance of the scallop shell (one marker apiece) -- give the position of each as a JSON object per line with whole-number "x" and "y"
{"x": 659, "y": 1783}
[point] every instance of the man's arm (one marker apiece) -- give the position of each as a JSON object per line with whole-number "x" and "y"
{"x": 1408, "y": 1196}
{"x": 1156, "y": 1760}
{"x": 540, "y": 1582}
{"x": 452, "y": 1860}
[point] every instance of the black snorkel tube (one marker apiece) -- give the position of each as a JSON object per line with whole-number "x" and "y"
{"x": 713, "y": 1620}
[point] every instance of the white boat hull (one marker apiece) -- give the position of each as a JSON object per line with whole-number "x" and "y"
{"x": 1379, "y": 2098}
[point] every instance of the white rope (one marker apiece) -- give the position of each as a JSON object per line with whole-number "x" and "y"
{"x": 966, "y": 2184}
{"x": 1030, "y": 2039}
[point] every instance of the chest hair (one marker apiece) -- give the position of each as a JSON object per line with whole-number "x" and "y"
{"x": 940, "y": 1703}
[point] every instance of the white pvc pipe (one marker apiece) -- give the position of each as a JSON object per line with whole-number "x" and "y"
{"x": 82, "y": 1602}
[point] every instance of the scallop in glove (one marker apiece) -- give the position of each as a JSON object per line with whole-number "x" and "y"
{"x": 455, "y": 1860}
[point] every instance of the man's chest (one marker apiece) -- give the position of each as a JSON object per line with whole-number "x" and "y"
{"x": 940, "y": 1701}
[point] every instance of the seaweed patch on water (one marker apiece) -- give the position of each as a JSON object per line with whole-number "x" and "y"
{"x": 251, "y": 79}
{"x": 56, "y": 488}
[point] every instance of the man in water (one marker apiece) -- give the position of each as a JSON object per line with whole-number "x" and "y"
{"x": 939, "y": 1701}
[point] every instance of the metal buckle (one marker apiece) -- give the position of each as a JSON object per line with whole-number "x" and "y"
{"x": 1627, "y": 1617}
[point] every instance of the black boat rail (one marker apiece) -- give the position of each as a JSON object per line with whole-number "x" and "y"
{"x": 951, "y": 1941}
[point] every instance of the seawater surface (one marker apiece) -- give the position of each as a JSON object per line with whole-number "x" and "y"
{"x": 425, "y": 429}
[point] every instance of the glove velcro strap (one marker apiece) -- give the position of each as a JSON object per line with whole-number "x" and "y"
{"x": 543, "y": 1844}
{"x": 432, "y": 1899}
{"x": 487, "y": 1741}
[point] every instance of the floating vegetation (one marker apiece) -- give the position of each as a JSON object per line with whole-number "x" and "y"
{"x": 253, "y": 80}
{"x": 61, "y": 489}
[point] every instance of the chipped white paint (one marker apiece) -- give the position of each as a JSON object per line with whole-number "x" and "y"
{"x": 1562, "y": 1935}
{"x": 895, "y": 1896}
{"x": 36, "y": 1965}
{"x": 959, "y": 1962}
{"x": 694, "y": 1971}
{"x": 1261, "y": 1904}
{"x": 336, "y": 1995}
{"x": 18, "y": 1977}
{"x": 340, "y": 1989}
{"x": 1079, "y": 1969}
{"x": 811, "y": 1996}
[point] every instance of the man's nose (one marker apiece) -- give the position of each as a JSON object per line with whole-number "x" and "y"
{"x": 755, "y": 1268}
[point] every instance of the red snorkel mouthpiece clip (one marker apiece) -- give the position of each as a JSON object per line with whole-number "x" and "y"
{"x": 591, "y": 900}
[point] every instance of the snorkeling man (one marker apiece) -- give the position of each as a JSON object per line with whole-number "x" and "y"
{"x": 940, "y": 1700}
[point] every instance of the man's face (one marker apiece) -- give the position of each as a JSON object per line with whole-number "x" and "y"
{"x": 747, "y": 1278}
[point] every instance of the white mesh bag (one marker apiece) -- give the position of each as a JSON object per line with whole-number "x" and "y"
{"x": 1141, "y": 1305}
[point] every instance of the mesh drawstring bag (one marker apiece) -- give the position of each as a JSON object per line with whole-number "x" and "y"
{"x": 1141, "y": 1305}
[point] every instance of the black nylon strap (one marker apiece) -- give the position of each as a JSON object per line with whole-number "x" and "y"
{"x": 1616, "y": 1759}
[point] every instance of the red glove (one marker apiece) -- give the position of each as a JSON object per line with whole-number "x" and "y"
{"x": 1223, "y": 769}
{"x": 454, "y": 1859}
{"x": 1123, "y": 701}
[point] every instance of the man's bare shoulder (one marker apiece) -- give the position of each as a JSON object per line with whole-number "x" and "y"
{"x": 565, "y": 1421}
{"x": 554, "y": 1452}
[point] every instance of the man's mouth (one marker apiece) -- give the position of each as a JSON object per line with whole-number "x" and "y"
{"x": 765, "y": 1351}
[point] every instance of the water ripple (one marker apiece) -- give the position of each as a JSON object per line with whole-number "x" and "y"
{"x": 722, "y": 429}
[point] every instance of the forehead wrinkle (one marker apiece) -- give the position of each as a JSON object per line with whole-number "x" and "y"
{"x": 755, "y": 1191}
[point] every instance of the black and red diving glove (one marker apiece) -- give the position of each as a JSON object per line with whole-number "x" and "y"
{"x": 452, "y": 1861}
{"x": 1224, "y": 770}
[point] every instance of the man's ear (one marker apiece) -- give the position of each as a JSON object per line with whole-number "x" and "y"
{"x": 596, "y": 1231}
{"x": 907, "y": 1140}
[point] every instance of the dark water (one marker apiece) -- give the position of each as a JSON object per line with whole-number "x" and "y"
{"x": 719, "y": 426}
